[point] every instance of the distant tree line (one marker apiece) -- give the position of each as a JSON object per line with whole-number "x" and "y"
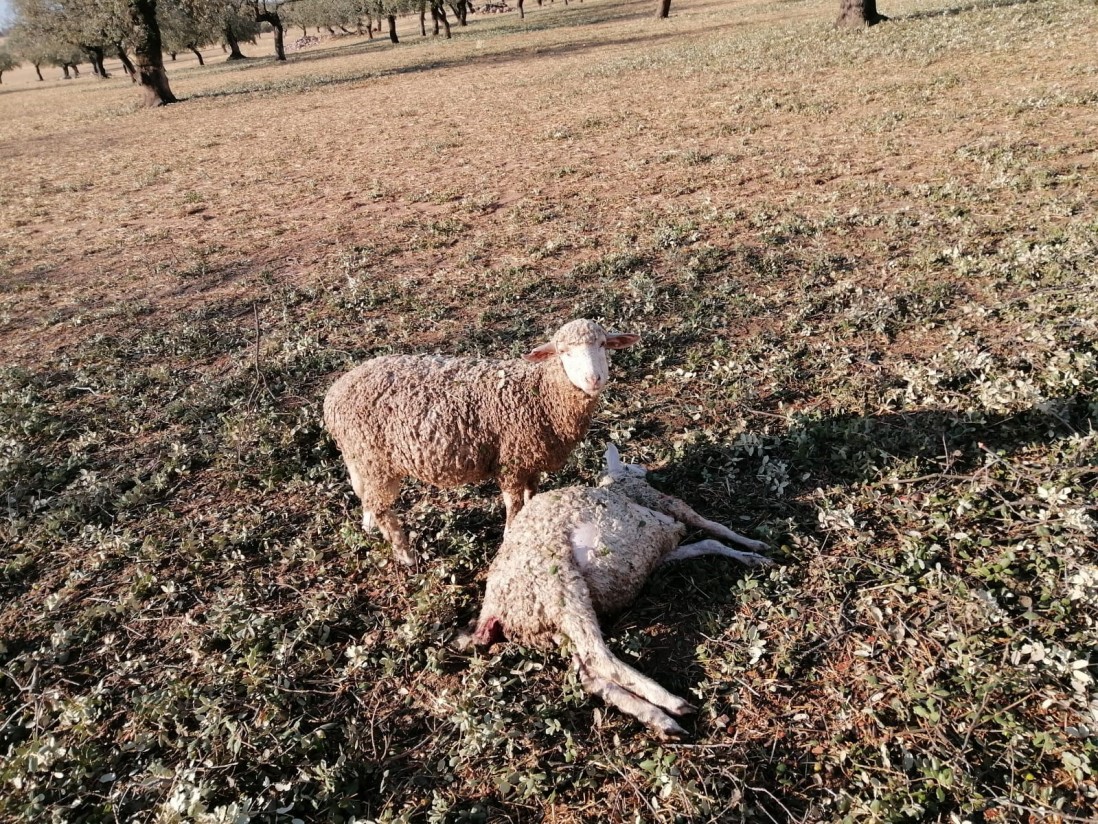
{"x": 65, "y": 33}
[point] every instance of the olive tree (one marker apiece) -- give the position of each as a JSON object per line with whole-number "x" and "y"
{"x": 857, "y": 14}
{"x": 389, "y": 9}
{"x": 8, "y": 61}
{"x": 95, "y": 25}
{"x": 185, "y": 24}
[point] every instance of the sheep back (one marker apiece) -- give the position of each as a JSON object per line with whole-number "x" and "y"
{"x": 452, "y": 421}
{"x": 567, "y": 540}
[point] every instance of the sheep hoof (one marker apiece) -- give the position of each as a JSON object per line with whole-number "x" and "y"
{"x": 369, "y": 522}
{"x": 404, "y": 556}
{"x": 681, "y": 707}
{"x": 670, "y": 731}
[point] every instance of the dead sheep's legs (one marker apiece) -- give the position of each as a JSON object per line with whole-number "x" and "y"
{"x": 625, "y": 700}
{"x": 711, "y": 547}
{"x": 721, "y": 531}
{"x": 613, "y": 681}
{"x": 680, "y": 511}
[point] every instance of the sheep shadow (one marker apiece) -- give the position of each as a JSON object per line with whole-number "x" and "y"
{"x": 678, "y": 601}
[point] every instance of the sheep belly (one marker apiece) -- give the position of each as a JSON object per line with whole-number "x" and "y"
{"x": 615, "y": 554}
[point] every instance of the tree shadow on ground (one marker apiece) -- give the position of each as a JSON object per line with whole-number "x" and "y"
{"x": 308, "y": 83}
{"x": 953, "y": 11}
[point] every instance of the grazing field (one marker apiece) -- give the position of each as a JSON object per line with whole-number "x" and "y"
{"x": 864, "y": 266}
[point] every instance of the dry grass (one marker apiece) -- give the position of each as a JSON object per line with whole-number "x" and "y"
{"x": 864, "y": 266}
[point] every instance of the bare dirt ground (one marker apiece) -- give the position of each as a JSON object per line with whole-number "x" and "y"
{"x": 574, "y": 132}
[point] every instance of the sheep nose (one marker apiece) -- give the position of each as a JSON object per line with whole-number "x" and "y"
{"x": 595, "y": 383}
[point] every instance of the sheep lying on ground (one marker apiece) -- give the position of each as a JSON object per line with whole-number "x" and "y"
{"x": 578, "y": 552}
{"x": 453, "y": 421}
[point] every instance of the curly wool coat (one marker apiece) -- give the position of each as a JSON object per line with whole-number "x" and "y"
{"x": 453, "y": 421}
{"x": 574, "y": 554}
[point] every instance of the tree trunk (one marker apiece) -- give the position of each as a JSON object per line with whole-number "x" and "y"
{"x": 522, "y": 14}
{"x": 75, "y": 69}
{"x": 95, "y": 55}
{"x": 273, "y": 18}
{"x": 439, "y": 12}
{"x": 172, "y": 55}
{"x": 370, "y": 26}
{"x": 234, "y": 45}
{"x": 197, "y": 54}
{"x": 149, "y": 53}
{"x": 857, "y": 14}
{"x": 664, "y": 9}
{"x": 280, "y": 41}
{"x": 393, "y": 28}
{"x": 65, "y": 69}
{"x": 423, "y": 20}
{"x": 38, "y": 71}
{"x": 127, "y": 64}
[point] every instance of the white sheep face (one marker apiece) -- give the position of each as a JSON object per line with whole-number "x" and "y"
{"x": 582, "y": 348}
{"x": 586, "y": 366}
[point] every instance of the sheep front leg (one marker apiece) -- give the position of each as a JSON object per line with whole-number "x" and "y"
{"x": 516, "y": 493}
{"x": 721, "y": 531}
{"x": 644, "y": 711}
{"x": 711, "y": 547}
{"x": 681, "y": 511}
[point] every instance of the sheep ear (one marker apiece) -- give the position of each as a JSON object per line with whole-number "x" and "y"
{"x": 621, "y": 340}
{"x": 543, "y": 352}
{"x": 613, "y": 460}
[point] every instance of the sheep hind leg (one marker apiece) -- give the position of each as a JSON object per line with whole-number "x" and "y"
{"x": 393, "y": 532}
{"x": 369, "y": 522}
{"x": 581, "y": 627}
{"x": 711, "y": 547}
{"x": 644, "y": 711}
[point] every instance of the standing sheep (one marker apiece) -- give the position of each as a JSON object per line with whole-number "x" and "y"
{"x": 453, "y": 421}
{"x": 579, "y": 552}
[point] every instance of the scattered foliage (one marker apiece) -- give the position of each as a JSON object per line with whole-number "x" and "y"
{"x": 864, "y": 269}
